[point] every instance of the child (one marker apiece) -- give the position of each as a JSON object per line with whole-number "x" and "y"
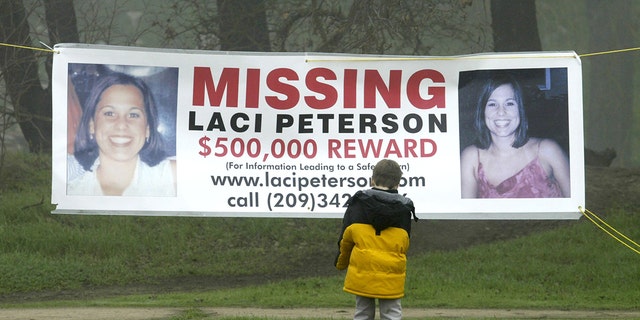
{"x": 374, "y": 243}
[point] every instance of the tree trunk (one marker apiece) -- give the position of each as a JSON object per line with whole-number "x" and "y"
{"x": 61, "y": 25}
{"x": 61, "y": 21}
{"x": 609, "y": 111}
{"x": 243, "y": 25}
{"x": 515, "y": 26}
{"x": 31, "y": 102}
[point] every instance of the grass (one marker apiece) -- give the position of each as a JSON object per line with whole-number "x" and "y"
{"x": 576, "y": 267}
{"x": 571, "y": 268}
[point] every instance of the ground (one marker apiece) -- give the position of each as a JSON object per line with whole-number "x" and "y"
{"x": 606, "y": 188}
{"x": 166, "y": 313}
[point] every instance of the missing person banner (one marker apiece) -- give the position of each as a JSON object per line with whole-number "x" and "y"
{"x": 205, "y": 133}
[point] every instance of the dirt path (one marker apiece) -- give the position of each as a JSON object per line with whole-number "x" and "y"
{"x": 165, "y": 313}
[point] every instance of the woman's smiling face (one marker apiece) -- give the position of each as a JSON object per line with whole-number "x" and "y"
{"x": 501, "y": 112}
{"x": 120, "y": 123}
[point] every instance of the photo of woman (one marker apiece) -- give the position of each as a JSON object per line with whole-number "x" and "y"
{"x": 118, "y": 145}
{"x": 503, "y": 160}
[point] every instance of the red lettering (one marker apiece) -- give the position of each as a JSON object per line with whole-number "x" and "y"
{"x": 290, "y": 91}
{"x": 330, "y": 93}
{"x": 373, "y": 83}
{"x": 252, "y": 94}
{"x": 203, "y": 81}
{"x": 392, "y": 148}
{"x": 334, "y": 148}
{"x": 409, "y": 148}
{"x": 437, "y": 94}
{"x": 423, "y": 148}
{"x": 350, "y": 86}
{"x": 425, "y": 89}
{"x": 368, "y": 148}
{"x": 349, "y": 148}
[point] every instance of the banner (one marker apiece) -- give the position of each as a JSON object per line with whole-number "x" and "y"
{"x": 204, "y": 133}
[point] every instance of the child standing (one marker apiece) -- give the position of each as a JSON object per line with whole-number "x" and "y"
{"x": 374, "y": 243}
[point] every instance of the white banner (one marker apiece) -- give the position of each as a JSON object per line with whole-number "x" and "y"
{"x": 202, "y": 133}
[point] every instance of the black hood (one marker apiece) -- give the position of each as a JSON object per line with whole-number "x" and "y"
{"x": 386, "y": 208}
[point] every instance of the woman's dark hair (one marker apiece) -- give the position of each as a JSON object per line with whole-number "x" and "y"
{"x": 86, "y": 148}
{"x": 483, "y": 133}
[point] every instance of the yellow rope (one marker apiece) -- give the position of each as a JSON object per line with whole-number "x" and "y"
{"x": 26, "y": 47}
{"x": 439, "y": 58}
{"x": 466, "y": 57}
{"x": 608, "y": 52}
{"x": 593, "y": 217}
{"x": 373, "y": 59}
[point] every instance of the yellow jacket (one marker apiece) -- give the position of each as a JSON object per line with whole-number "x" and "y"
{"x": 374, "y": 252}
{"x": 377, "y": 265}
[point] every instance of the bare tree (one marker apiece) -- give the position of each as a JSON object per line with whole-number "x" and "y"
{"x": 378, "y": 27}
{"x": 409, "y": 27}
{"x": 515, "y": 26}
{"x": 61, "y": 21}
{"x": 26, "y": 74}
{"x": 243, "y": 25}
{"x": 609, "y": 114}
{"x": 30, "y": 100}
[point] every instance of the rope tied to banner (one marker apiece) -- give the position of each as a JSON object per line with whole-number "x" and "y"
{"x": 465, "y": 57}
{"x": 588, "y": 214}
{"x": 611, "y": 231}
{"x": 51, "y": 50}
{"x": 48, "y": 48}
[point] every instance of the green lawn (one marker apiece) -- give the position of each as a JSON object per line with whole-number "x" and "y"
{"x": 577, "y": 267}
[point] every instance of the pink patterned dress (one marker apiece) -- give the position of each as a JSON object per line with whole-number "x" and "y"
{"x": 530, "y": 182}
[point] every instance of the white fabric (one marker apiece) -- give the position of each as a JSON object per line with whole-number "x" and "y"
{"x": 74, "y": 168}
{"x": 147, "y": 181}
